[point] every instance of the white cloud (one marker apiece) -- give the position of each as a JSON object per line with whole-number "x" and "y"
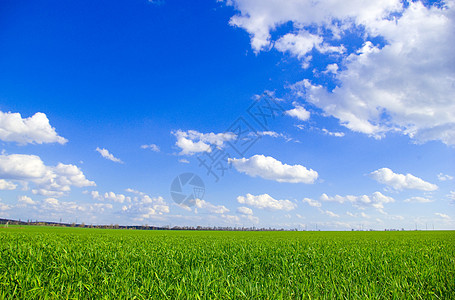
{"x": 336, "y": 134}
{"x": 143, "y": 207}
{"x": 401, "y": 181}
{"x": 393, "y": 88}
{"x": 4, "y": 206}
{"x": 146, "y": 207}
{"x": 331, "y": 214}
{"x": 298, "y": 44}
{"x": 7, "y": 185}
{"x": 274, "y": 134}
{"x": 406, "y": 84}
{"x": 192, "y": 141}
{"x": 312, "y": 202}
{"x": 444, "y": 177}
{"x": 52, "y": 204}
{"x": 444, "y": 216}
{"x": 152, "y": 147}
{"x": 111, "y": 196}
{"x": 269, "y": 168}
{"x": 49, "y": 181}
{"x": 184, "y": 161}
{"x": 33, "y": 130}
{"x": 418, "y": 200}
{"x": 298, "y": 112}
{"x": 331, "y": 68}
{"x": 105, "y": 153}
{"x": 25, "y": 200}
{"x": 259, "y": 18}
{"x": 266, "y": 201}
{"x": 217, "y": 209}
{"x": 451, "y": 195}
{"x": 120, "y": 198}
{"x": 244, "y": 210}
{"x": 376, "y": 200}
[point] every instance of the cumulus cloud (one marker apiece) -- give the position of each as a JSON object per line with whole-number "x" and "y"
{"x": 244, "y": 210}
{"x": 216, "y": 209}
{"x": 192, "y": 141}
{"x": 142, "y": 206}
{"x": 401, "y": 181}
{"x": 7, "y": 185}
{"x": 444, "y": 177}
{"x": 33, "y": 130}
{"x": 25, "y": 200}
{"x": 330, "y": 214}
{"x": 48, "y": 180}
{"x": 146, "y": 207}
{"x": 265, "y": 201}
{"x": 404, "y": 84}
{"x": 444, "y": 216}
{"x": 107, "y": 155}
{"x": 269, "y": 168}
{"x": 418, "y": 200}
{"x": 376, "y": 200}
{"x": 274, "y": 134}
{"x": 259, "y": 18}
{"x": 336, "y": 134}
{"x": 119, "y": 198}
{"x": 312, "y": 202}
{"x": 298, "y": 112}
{"x": 4, "y": 206}
{"x": 152, "y": 147}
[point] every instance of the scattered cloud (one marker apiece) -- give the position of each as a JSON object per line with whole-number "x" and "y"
{"x": 444, "y": 177}
{"x": 403, "y": 84}
{"x": 312, "y": 202}
{"x": 298, "y": 112}
{"x": 192, "y": 141}
{"x": 25, "y": 200}
{"x": 4, "y": 206}
{"x": 143, "y": 207}
{"x": 152, "y": 147}
{"x": 7, "y": 185}
{"x": 216, "y": 209}
{"x": 444, "y": 216}
{"x": 260, "y": 18}
{"x": 376, "y": 200}
{"x": 418, "y": 200}
{"x": 269, "y": 168}
{"x": 110, "y": 196}
{"x": 331, "y": 68}
{"x": 244, "y": 210}
{"x": 274, "y": 134}
{"x": 48, "y": 180}
{"x": 330, "y": 214}
{"x": 265, "y": 201}
{"x": 400, "y": 181}
{"x": 105, "y": 153}
{"x": 184, "y": 161}
{"x": 336, "y": 134}
{"x": 33, "y": 130}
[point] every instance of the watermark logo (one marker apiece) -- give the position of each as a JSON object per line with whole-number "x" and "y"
{"x": 186, "y": 188}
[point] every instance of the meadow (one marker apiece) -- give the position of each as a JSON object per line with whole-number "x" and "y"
{"x": 81, "y": 263}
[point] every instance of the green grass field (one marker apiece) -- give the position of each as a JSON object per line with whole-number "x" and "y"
{"x": 50, "y": 262}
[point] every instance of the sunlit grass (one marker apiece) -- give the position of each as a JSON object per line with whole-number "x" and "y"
{"x": 44, "y": 262}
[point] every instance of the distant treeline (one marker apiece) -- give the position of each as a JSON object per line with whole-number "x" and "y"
{"x": 135, "y": 227}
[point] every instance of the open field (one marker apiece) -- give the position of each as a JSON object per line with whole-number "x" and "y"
{"x": 47, "y": 262}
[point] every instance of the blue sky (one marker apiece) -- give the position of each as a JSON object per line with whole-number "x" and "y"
{"x": 103, "y": 104}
